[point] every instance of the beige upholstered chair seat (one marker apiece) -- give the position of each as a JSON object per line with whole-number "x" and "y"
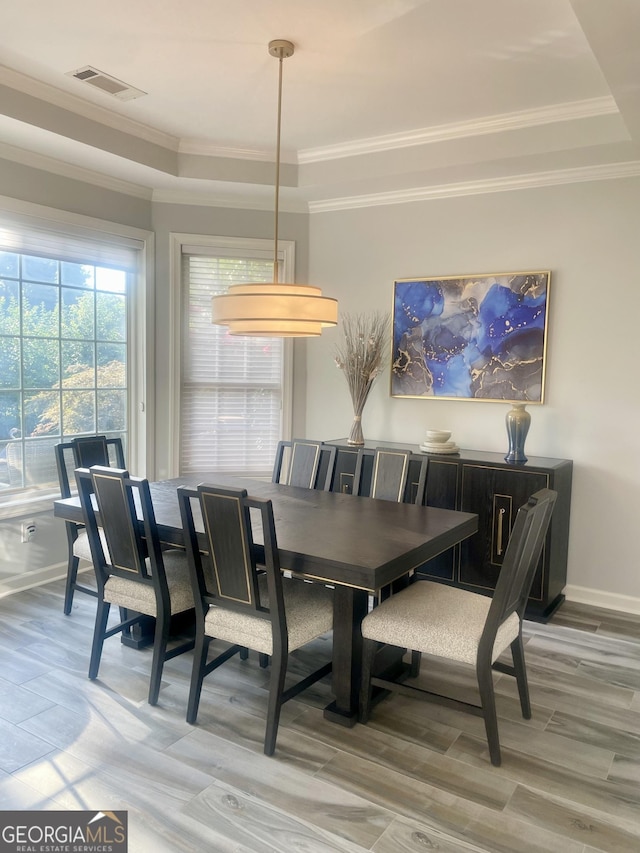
{"x": 437, "y": 620}
{"x": 309, "y": 609}
{"x": 82, "y": 549}
{"x": 140, "y": 597}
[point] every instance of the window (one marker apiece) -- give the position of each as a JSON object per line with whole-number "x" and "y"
{"x": 232, "y": 388}
{"x": 64, "y": 321}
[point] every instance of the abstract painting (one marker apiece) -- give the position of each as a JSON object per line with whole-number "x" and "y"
{"x": 471, "y": 337}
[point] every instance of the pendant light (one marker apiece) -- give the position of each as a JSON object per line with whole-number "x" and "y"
{"x": 274, "y": 309}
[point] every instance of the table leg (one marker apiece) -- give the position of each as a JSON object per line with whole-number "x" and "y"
{"x": 349, "y": 609}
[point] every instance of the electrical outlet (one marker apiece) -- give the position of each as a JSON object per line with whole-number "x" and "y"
{"x": 28, "y": 531}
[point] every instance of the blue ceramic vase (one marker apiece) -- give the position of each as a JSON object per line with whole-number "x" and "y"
{"x": 518, "y": 421}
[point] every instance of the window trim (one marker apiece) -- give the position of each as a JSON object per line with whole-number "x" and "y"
{"x": 178, "y": 244}
{"x": 140, "y": 449}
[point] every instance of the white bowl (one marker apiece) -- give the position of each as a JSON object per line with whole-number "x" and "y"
{"x": 438, "y": 434}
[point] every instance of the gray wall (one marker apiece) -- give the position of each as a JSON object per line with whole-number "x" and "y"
{"x": 56, "y": 191}
{"x": 587, "y": 235}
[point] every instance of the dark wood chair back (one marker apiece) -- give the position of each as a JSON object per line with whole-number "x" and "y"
{"x": 223, "y": 560}
{"x": 305, "y": 463}
{"x": 84, "y": 452}
{"x": 390, "y": 475}
{"x": 520, "y": 561}
{"x": 128, "y": 523}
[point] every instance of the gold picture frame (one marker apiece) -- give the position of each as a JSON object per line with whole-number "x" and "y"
{"x": 471, "y": 337}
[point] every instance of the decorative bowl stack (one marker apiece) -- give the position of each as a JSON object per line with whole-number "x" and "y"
{"x": 437, "y": 441}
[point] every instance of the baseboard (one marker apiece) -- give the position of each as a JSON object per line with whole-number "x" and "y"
{"x": 600, "y": 598}
{"x": 28, "y": 580}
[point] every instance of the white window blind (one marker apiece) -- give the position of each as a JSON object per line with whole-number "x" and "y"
{"x": 232, "y": 387}
{"x": 72, "y": 245}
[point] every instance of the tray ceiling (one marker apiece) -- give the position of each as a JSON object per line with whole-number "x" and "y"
{"x": 384, "y": 100}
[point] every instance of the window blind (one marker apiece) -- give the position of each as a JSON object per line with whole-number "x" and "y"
{"x": 72, "y": 245}
{"x": 231, "y": 400}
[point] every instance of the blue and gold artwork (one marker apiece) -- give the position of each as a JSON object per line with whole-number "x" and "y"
{"x": 471, "y": 337}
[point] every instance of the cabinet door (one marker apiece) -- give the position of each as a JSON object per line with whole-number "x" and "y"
{"x": 442, "y": 478}
{"x": 495, "y": 494}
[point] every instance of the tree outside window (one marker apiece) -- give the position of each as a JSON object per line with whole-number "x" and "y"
{"x": 63, "y": 360}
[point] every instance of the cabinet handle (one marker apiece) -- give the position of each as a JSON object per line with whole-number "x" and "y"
{"x": 501, "y": 513}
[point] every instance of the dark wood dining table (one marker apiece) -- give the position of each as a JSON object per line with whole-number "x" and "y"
{"x": 358, "y": 545}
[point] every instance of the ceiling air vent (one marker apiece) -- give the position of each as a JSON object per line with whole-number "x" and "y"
{"x": 106, "y": 83}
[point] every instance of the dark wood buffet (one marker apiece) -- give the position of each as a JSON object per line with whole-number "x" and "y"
{"x": 483, "y": 483}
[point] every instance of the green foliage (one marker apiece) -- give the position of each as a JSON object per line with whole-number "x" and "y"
{"x": 79, "y": 407}
{"x": 30, "y": 353}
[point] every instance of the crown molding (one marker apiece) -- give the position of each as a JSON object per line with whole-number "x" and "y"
{"x": 514, "y": 182}
{"x": 202, "y": 149}
{"x": 73, "y": 172}
{"x": 93, "y": 112}
{"x": 570, "y": 111}
{"x": 249, "y": 200}
{"x": 220, "y": 199}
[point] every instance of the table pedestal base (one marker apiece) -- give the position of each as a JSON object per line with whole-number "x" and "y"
{"x": 334, "y": 714}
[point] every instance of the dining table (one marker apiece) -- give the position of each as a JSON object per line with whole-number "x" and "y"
{"x": 355, "y": 544}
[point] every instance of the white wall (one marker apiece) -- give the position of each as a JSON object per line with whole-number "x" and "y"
{"x": 588, "y": 235}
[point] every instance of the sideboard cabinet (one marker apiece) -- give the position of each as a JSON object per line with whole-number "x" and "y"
{"x": 483, "y": 483}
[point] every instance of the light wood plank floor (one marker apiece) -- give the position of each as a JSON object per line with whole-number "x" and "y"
{"x": 416, "y": 778}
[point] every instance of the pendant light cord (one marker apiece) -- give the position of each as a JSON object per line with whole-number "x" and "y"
{"x": 277, "y": 192}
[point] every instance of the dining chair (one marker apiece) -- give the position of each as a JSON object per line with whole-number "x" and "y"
{"x": 135, "y": 573}
{"x": 82, "y": 452}
{"x": 389, "y": 475}
{"x": 241, "y": 606}
{"x": 305, "y": 463}
{"x": 458, "y": 625}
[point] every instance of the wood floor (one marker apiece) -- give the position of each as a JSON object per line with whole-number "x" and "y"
{"x": 416, "y": 778}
